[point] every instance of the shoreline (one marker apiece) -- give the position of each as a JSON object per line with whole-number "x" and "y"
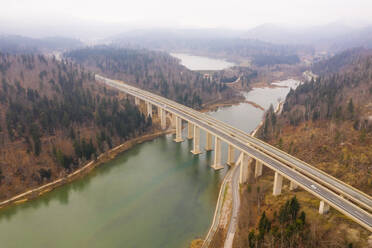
{"x": 34, "y": 193}
{"x": 83, "y": 171}
{"x": 256, "y": 105}
{"x": 225, "y": 213}
{"x": 209, "y": 107}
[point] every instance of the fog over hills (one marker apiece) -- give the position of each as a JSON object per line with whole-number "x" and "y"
{"x": 21, "y": 44}
{"x": 332, "y": 37}
{"x": 296, "y": 35}
{"x": 71, "y": 27}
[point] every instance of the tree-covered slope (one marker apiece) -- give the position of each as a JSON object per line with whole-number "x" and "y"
{"x": 16, "y": 44}
{"x": 154, "y": 71}
{"x": 327, "y": 123}
{"x": 53, "y": 117}
{"x": 333, "y": 115}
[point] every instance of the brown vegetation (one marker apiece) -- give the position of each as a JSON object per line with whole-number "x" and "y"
{"x": 79, "y": 173}
{"x": 154, "y": 71}
{"x": 327, "y": 124}
{"x": 331, "y": 230}
{"x": 53, "y": 118}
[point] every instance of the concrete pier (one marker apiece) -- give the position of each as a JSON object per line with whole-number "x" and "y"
{"x": 239, "y": 160}
{"x": 258, "y": 169}
{"x": 149, "y": 109}
{"x": 293, "y": 186}
{"x": 173, "y": 121}
{"x": 323, "y": 207}
{"x": 136, "y": 101}
{"x": 190, "y": 130}
{"x": 208, "y": 145}
{"x": 244, "y": 169}
{"x": 278, "y": 181}
{"x": 178, "y": 130}
{"x": 230, "y": 155}
{"x": 217, "y": 154}
{"x": 163, "y": 119}
{"x": 196, "y": 141}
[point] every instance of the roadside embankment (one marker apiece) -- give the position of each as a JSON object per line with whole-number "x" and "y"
{"x": 221, "y": 226}
{"x": 332, "y": 229}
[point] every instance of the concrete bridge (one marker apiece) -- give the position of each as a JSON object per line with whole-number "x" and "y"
{"x": 330, "y": 191}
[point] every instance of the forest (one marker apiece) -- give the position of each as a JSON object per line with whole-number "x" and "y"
{"x": 340, "y": 61}
{"x": 335, "y": 112}
{"x": 262, "y": 60}
{"x": 234, "y": 48}
{"x": 16, "y": 44}
{"x": 286, "y": 228}
{"x": 326, "y": 122}
{"x": 154, "y": 71}
{"x": 54, "y": 114}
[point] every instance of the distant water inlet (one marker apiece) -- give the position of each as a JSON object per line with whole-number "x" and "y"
{"x": 157, "y": 194}
{"x": 200, "y": 63}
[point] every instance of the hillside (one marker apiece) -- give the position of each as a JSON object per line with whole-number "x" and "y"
{"x": 333, "y": 37}
{"x": 283, "y": 34}
{"x": 334, "y": 113}
{"x": 16, "y": 44}
{"x": 154, "y": 71}
{"x": 224, "y": 44}
{"x": 328, "y": 124}
{"x": 53, "y": 118}
{"x": 340, "y": 61}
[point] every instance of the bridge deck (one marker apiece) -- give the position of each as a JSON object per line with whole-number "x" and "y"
{"x": 262, "y": 152}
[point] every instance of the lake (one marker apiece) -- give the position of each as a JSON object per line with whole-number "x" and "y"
{"x": 200, "y": 63}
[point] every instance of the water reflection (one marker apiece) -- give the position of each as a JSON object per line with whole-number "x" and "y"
{"x": 201, "y": 63}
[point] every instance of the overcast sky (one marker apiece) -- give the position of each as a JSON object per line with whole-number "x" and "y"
{"x": 235, "y": 14}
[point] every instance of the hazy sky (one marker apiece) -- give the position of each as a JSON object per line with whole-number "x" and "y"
{"x": 237, "y": 14}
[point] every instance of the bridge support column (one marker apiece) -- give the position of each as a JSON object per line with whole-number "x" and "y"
{"x": 196, "y": 149}
{"x": 178, "y": 130}
{"x": 244, "y": 169}
{"x": 239, "y": 160}
{"x": 217, "y": 154}
{"x": 258, "y": 169}
{"x": 163, "y": 119}
{"x": 293, "y": 186}
{"x": 278, "y": 181}
{"x": 173, "y": 121}
{"x": 230, "y": 155}
{"x": 208, "y": 145}
{"x": 323, "y": 207}
{"x": 136, "y": 101}
{"x": 149, "y": 109}
{"x": 190, "y": 130}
